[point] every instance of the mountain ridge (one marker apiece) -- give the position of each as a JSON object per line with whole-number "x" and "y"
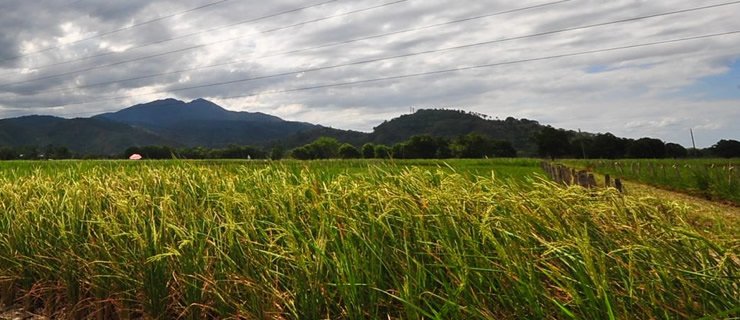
{"x": 202, "y": 123}
{"x": 168, "y": 111}
{"x": 83, "y": 135}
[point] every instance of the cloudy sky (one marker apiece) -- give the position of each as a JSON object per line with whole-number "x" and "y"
{"x": 77, "y": 58}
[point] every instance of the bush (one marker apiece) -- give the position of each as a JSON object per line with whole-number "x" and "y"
{"x": 347, "y": 151}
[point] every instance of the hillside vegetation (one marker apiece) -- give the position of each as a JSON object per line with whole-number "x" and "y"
{"x": 201, "y": 123}
{"x": 189, "y": 128}
{"x": 453, "y": 124}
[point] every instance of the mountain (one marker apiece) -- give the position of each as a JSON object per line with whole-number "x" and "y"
{"x": 203, "y": 123}
{"x": 86, "y": 136}
{"x": 171, "y": 112}
{"x": 454, "y": 123}
{"x": 435, "y": 122}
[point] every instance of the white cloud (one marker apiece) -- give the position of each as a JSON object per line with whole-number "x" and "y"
{"x": 635, "y": 92}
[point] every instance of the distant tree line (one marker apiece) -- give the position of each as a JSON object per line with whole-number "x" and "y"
{"x": 551, "y": 143}
{"x": 558, "y": 143}
{"x": 49, "y": 152}
{"x": 230, "y": 152}
{"x": 417, "y": 147}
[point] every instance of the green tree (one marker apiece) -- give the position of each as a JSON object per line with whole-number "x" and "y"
{"x": 503, "y": 149}
{"x": 55, "y": 152}
{"x": 348, "y": 151}
{"x": 240, "y": 152}
{"x": 277, "y": 152}
{"x": 325, "y": 148}
{"x": 321, "y": 148}
{"x": 553, "y": 143}
{"x": 471, "y": 146}
{"x": 8, "y": 154}
{"x": 131, "y": 151}
{"x": 383, "y": 152}
{"x": 646, "y": 148}
{"x": 675, "y": 151}
{"x": 302, "y": 153}
{"x": 726, "y": 149}
{"x": 368, "y": 151}
{"x": 195, "y": 153}
{"x": 426, "y": 147}
{"x": 608, "y": 146}
{"x": 398, "y": 151}
{"x": 443, "y": 149}
{"x": 474, "y": 146}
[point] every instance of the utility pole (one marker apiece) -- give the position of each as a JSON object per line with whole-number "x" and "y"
{"x": 583, "y": 149}
{"x": 693, "y": 142}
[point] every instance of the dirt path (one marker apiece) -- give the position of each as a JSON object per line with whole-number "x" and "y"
{"x": 714, "y": 211}
{"x": 700, "y": 203}
{"x": 696, "y": 204}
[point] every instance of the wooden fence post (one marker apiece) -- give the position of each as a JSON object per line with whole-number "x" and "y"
{"x": 568, "y": 176}
{"x": 591, "y": 181}
{"x": 583, "y": 178}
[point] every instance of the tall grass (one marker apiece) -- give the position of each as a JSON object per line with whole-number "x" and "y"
{"x": 716, "y": 179}
{"x": 195, "y": 241}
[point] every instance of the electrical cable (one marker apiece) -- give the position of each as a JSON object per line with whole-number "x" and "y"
{"x": 100, "y": 35}
{"x": 453, "y": 70}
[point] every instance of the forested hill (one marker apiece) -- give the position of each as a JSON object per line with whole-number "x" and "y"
{"x": 454, "y": 123}
{"x": 201, "y": 123}
{"x": 82, "y": 136}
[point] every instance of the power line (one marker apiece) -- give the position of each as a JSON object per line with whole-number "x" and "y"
{"x": 209, "y": 44}
{"x": 243, "y": 22}
{"x": 383, "y": 5}
{"x": 100, "y": 35}
{"x": 323, "y": 46}
{"x": 453, "y": 70}
{"x": 498, "y": 64}
{"x": 406, "y": 55}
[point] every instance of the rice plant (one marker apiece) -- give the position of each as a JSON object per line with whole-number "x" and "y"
{"x": 289, "y": 241}
{"x": 715, "y": 179}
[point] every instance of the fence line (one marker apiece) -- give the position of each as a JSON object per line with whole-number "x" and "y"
{"x": 569, "y": 176}
{"x": 723, "y": 173}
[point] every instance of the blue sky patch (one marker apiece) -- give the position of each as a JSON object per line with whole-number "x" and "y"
{"x": 597, "y": 68}
{"x": 724, "y": 86}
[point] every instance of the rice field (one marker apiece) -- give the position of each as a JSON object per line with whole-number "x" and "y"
{"x": 715, "y": 179}
{"x": 484, "y": 239}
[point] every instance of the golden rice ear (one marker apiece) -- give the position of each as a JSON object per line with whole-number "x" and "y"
{"x": 352, "y": 240}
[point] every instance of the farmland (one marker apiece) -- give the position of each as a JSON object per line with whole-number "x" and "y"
{"x": 715, "y": 179}
{"x": 475, "y": 239}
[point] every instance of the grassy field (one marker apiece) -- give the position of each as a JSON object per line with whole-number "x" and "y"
{"x": 485, "y": 239}
{"x": 716, "y": 179}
